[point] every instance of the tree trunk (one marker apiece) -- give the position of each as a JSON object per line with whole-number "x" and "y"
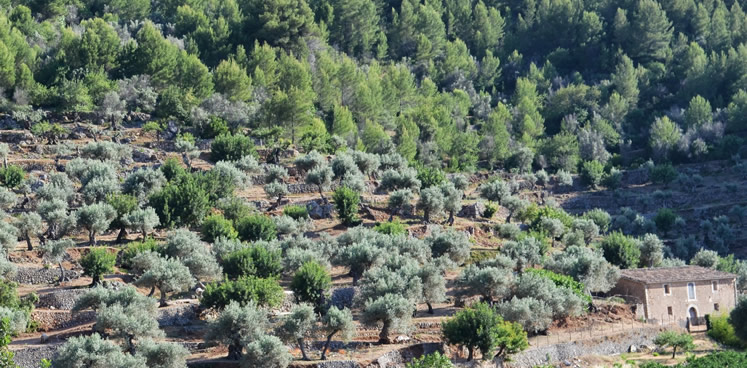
{"x": 324, "y": 200}
{"x": 96, "y": 280}
{"x": 28, "y": 242}
{"x": 303, "y": 350}
{"x": 391, "y": 215}
{"x": 234, "y": 351}
{"x": 121, "y": 235}
{"x": 152, "y": 291}
{"x": 430, "y": 307}
{"x": 92, "y": 238}
{"x": 426, "y": 216}
{"x": 674, "y": 351}
{"x": 62, "y": 272}
{"x": 471, "y": 350}
{"x": 163, "y": 299}
{"x": 326, "y": 346}
{"x": 384, "y": 334}
{"x": 451, "y": 218}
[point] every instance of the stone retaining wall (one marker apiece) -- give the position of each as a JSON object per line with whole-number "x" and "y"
{"x": 41, "y": 275}
{"x": 607, "y": 345}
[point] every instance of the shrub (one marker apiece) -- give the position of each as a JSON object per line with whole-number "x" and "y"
{"x": 256, "y": 227}
{"x": 722, "y": 331}
{"x": 228, "y": 147}
{"x": 592, "y": 173}
{"x": 310, "y": 284}
{"x": 216, "y": 226}
{"x": 564, "y": 281}
{"x": 663, "y": 174}
{"x": 482, "y": 328}
{"x": 181, "y": 203}
{"x": 12, "y": 176}
{"x": 430, "y": 176}
{"x": 296, "y": 212}
{"x": 665, "y": 219}
{"x": 98, "y": 262}
{"x": 391, "y": 228}
{"x": 490, "y": 210}
{"x": 346, "y": 202}
{"x": 262, "y": 291}
{"x": 433, "y": 360}
{"x": 135, "y": 248}
{"x": 252, "y": 261}
{"x": 621, "y": 250}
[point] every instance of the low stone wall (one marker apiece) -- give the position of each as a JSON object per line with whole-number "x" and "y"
{"x": 50, "y": 320}
{"x": 607, "y": 345}
{"x": 60, "y": 299}
{"x": 41, "y": 275}
{"x": 31, "y": 356}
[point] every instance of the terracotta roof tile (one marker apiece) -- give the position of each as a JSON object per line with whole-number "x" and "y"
{"x": 674, "y": 274}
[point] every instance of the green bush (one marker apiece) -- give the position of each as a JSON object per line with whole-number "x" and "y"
{"x": 391, "y": 228}
{"x": 663, "y": 174}
{"x": 172, "y": 169}
{"x": 97, "y": 263}
{"x": 216, "y": 226}
{"x": 310, "y": 283}
{"x": 346, "y": 203}
{"x": 533, "y": 215}
{"x": 12, "y": 176}
{"x": 252, "y": 261}
{"x": 296, "y": 212}
{"x": 216, "y": 127}
{"x": 665, "y": 219}
{"x": 434, "y": 360}
{"x": 135, "y": 248}
{"x": 256, "y": 227}
{"x": 430, "y": 176}
{"x": 228, "y": 147}
{"x": 264, "y": 291}
{"x": 490, "y": 210}
{"x": 181, "y": 203}
{"x": 722, "y": 331}
{"x": 592, "y": 173}
{"x": 621, "y": 250}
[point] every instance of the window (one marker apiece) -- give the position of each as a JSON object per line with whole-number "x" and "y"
{"x": 666, "y": 290}
{"x": 714, "y": 286}
{"x": 716, "y": 307}
{"x": 691, "y": 291}
{"x": 669, "y": 311}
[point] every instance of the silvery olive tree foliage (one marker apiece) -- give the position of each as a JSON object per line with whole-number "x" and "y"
{"x": 275, "y": 186}
{"x": 168, "y": 275}
{"x": 143, "y": 182}
{"x": 453, "y": 245}
{"x": 187, "y": 247}
{"x": 299, "y": 325}
{"x": 399, "y": 200}
{"x": 107, "y": 151}
{"x": 321, "y": 177}
{"x": 187, "y": 149}
{"x": 142, "y": 221}
{"x": 310, "y": 161}
{"x": 236, "y": 325}
{"x": 491, "y": 280}
{"x": 97, "y": 178}
{"x": 29, "y": 225}
{"x": 587, "y": 266}
{"x": 95, "y": 218}
{"x": 54, "y": 251}
{"x": 56, "y": 214}
{"x": 431, "y": 201}
{"x": 95, "y": 351}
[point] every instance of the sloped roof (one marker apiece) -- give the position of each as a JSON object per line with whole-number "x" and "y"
{"x": 674, "y": 274}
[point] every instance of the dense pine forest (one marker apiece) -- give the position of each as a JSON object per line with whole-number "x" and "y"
{"x": 454, "y": 83}
{"x": 370, "y": 183}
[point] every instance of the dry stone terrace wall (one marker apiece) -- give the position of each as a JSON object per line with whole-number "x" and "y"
{"x": 41, "y": 276}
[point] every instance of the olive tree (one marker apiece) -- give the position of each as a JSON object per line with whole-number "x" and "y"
{"x": 431, "y": 201}
{"x": 94, "y": 351}
{"x": 310, "y": 161}
{"x": 235, "y": 324}
{"x": 359, "y": 257}
{"x": 434, "y": 285}
{"x": 54, "y": 251}
{"x": 266, "y": 351}
{"x": 337, "y": 321}
{"x": 514, "y": 205}
{"x": 398, "y": 201}
{"x": 187, "y": 247}
{"x": 452, "y": 200}
{"x": 29, "y": 224}
{"x": 299, "y": 325}
{"x": 55, "y": 213}
{"x": 532, "y": 314}
{"x": 142, "y": 221}
{"x": 490, "y": 281}
{"x": 320, "y": 176}
{"x": 95, "y": 218}
{"x": 452, "y": 244}
{"x": 144, "y": 182}
{"x": 275, "y": 186}
{"x": 525, "y": 252}
{"x": 585, "y": 265}
{"x": 496, "y": 190}
{"x": 652, "y": 251}
{"x": 480, "y": 327}
{"x": 392, "y": 310}
{"x": 406, "y": 178}
{"x": 129, "y": 323}
{"x": 168, "y": 275}
{"x": 162, "y": 354}
{"x": 367, "y": 163}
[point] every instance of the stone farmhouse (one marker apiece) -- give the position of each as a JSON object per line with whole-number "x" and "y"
{"x": 682, "y": 295}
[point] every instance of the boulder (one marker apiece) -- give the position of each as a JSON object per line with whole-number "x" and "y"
{"x": 319, "y": 211}
{"x": 144, "y": 155}
{"x": 474, "y": 210}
